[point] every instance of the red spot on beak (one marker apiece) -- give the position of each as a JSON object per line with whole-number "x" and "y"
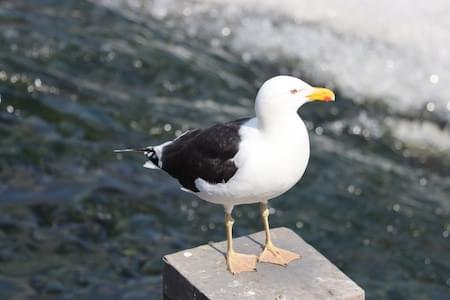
{"x": 327, "y": 99}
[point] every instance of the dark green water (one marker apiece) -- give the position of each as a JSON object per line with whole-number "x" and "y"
{"x": 78, "y": 222}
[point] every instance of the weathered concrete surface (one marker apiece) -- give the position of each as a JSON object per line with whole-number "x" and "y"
{"x": 200, "y": 273}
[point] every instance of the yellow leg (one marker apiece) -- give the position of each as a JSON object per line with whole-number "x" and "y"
{"x": 237, "y": 262}
{"x": 272, "y": 254}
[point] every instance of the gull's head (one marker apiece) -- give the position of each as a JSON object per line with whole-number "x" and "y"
{"x": 285, "y": 94}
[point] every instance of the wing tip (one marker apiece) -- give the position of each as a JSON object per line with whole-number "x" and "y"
{"x": 123, "y": 150}
{"x": 146, "y": 149}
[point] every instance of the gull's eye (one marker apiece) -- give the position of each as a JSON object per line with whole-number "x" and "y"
{"x": 294, "y": 91}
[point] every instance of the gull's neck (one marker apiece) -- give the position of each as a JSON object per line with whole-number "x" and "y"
{"x": 276, "y": 118}
{"x": 278, "y": 123}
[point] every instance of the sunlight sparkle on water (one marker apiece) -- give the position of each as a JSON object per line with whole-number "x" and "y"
{"x": 423, "y": 181}
{"x": 137, "y": 63}
{"x": 434, "y": 79}
{"x": 155, "y": 131}
{"x": 396, "y": 207}
{"x": 187, "y": 11}
{"x": 14, "y": 78}
{"x": 356, "y": 130}
{"x": 319, "y": 130}
{"x": 430, "y": 106}
{"x": 167, "y": 127}
{"x": 38, "y": 82}
{"x": 390, "y": 229}
{"x": 226, "y": 31}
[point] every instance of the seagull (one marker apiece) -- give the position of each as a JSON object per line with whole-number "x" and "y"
{"x": 250, "y": 160}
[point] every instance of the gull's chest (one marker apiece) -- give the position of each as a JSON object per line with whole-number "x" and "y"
{"x": 274, "y": 162}
{"x": 288, "y": 157}
{"x": 281, "y": 156}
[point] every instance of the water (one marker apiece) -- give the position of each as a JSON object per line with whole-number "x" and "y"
{"x": 80, "y": 78}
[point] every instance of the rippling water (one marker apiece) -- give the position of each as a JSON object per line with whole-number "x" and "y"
{"x": 80, "y": 78}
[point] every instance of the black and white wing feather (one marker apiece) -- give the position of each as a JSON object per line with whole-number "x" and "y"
{"x": 200, "y": 153}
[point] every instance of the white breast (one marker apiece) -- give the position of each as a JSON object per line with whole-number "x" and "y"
{"x": 268, "y": 164}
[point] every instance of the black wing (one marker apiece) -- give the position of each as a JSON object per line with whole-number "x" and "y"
{"x": 203, "y": 153}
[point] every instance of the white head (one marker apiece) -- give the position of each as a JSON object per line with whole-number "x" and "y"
{"x": 283, "y": 95}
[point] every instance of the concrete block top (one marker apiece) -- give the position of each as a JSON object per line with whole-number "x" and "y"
{"x": 313, "y": 277}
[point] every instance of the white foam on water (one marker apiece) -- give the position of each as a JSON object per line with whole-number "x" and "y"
{"x": 424, "y": 136}
{"x": 396, "y": 53}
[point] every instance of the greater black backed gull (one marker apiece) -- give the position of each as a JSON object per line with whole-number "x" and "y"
{"x": 245, "y": 161}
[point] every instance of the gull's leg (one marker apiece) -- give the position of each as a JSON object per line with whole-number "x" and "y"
{"x": 237, "y": 262}
{"x": 272, "y": 254}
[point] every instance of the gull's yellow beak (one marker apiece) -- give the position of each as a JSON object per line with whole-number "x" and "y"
{"x": 321, "y": 94}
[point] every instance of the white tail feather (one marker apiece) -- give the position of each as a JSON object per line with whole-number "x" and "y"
{"x": 187, "y": 190}
{"x": 149, "y": 165}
